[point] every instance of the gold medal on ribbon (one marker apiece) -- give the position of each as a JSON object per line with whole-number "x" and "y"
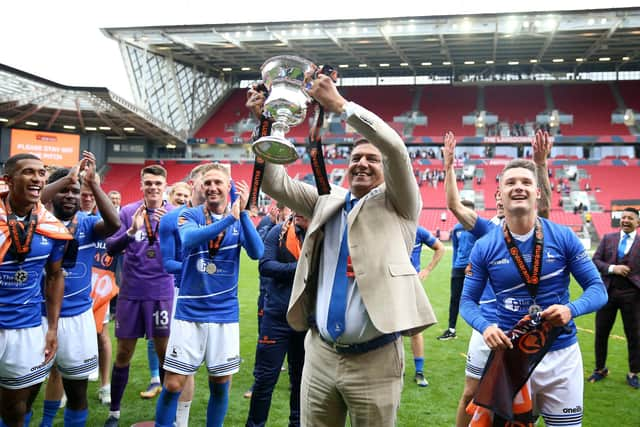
{"x": 21, "y": 276}
{"x": 534, "y": 309}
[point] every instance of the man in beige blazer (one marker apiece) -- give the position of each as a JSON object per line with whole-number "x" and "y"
{"x": 355, "y": 367}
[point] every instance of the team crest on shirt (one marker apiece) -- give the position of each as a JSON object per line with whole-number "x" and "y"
{"x": 44, "y": 240}
{"x": 551, "y": 257}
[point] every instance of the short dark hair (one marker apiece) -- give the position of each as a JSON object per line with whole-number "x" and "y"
{"x": 57, "y": 174}
{"x": 154, "y": 170}
{"x": 360, "y": 142}
{"x": 521, "y": 163}
{"x": 631, "y": 209}
{"x": 12, "y": 162}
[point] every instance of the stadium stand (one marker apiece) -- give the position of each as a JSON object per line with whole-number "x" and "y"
{"x": 630, "y": 92}
{"x": 221, "y": 123}
{"x": 507, "y": 102}
{"x": 602, "y": 223}
{"x": 613, "y": 182}
{"x": 388, "y": 101}
{"x": 591, "y": 106}
{"x": 444, "y": 107}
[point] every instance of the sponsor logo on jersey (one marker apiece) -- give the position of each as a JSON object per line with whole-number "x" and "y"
{"x": 201, "y": 265}
{"x": 500, "y": 261}
{"x": 517, "y": 304}
{"x": 575, "y": 410}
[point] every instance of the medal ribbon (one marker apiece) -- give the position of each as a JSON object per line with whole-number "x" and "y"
{"x": 314, "y": 145}
{"x": 263, "y": 129}
{"x": 214, "y": 245}
{"x": 531, "y": 277}
{"x": 152, "y": 235}
{"x": 20, "y": 237}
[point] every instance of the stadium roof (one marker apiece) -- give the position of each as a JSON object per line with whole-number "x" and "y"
{"x": 32, "y": 102}
{"x": 535, "y": 42}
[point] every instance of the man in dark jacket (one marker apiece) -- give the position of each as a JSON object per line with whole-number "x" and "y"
{"x": 618, "y": 260}
{"x": 277, "y": 338}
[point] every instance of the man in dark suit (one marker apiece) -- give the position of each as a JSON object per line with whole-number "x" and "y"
{"x": 618, "y": 260}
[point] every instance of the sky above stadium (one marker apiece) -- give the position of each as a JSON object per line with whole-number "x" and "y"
{"x": 61, "y": 40}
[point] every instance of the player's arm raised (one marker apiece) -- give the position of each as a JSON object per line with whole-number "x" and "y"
{"x": 466, "y": 216}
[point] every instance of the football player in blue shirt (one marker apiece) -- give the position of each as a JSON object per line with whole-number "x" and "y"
{"x": 77, "y": 355}
{"x": 528, "y": 261}
{"x": 207, "y": 309}
{"x": 462, "y": 242}
{"x": 423, "y": 237}
{"x": 32, "y": 240}
{"x": 478, "y": 352}
{"x": 172, "y": 257}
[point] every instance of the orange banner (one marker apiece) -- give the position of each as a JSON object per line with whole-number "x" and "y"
{"x": 56, "y": 149}
{"x": 103, "y": 285}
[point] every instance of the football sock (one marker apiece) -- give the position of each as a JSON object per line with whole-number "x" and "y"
{"x": 166, "y": 408}
{"x": 119, "y": 379}
{"x": 218, "y": 403}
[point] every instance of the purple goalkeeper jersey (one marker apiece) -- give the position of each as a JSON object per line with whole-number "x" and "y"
{"x": 143, "y": 276}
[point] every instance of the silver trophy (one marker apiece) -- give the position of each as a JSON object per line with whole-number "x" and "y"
{"x": 286, "y": 105}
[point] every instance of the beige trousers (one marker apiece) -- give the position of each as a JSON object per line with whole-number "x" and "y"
{"x": 367, "y": 386}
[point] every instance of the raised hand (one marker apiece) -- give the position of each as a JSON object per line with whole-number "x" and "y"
{"x": 449, "y": 149}
{"x": 235, "y": 209}
{"x": 74, "y": 172}
{"x": 324, "y": 90}
{"x": 88, "y": 167}
{"x": 137, "y": 220}
{"x": 541, "y": 145}
{"x": 255, "y": 101}
{"x": 159, "y": 213}
{"x": 242, "y": 190}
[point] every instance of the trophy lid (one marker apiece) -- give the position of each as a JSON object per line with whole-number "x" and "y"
{"x": 285, "y": 67}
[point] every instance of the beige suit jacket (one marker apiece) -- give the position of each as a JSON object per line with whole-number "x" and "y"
{"x": 382, "y": 231}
